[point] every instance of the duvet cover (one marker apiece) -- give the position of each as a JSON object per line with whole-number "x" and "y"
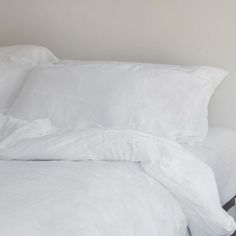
{"x": 103, "y": 182}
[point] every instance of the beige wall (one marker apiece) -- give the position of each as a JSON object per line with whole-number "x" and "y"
{"x": 166, "y": 31}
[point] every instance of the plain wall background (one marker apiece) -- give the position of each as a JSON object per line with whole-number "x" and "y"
{"x": 163, "y": 31}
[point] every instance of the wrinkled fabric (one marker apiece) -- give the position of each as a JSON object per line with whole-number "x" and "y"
{"x": 13, "y": 130}
{"x": 15, "y": 63}
{"x": 191, "y": 182}
{"x": 167, "y": 100}
{"x": 85, "y": 199}
{"x": 218, "y": 150}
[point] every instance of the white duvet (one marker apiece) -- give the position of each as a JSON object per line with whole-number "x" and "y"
{"x": 219, "y": 151}
{"x": 103, "y": 182}
{"x": 85, "y": 199}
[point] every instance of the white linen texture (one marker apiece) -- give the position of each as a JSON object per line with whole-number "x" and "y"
{"x": 167, "y": 100}
{"x": 85, "y": 199}
{"x": 187, "y": 178}
{"x": 27, "y": 54}
{"x": 218, "y": 150}
{"x": 15, "y": 62}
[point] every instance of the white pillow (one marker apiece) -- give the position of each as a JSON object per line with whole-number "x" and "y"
{"x": 167, "y": 100}
{"x": 27, "y": 53}
{"x": 11, "y": 79}
{"x": 15, "y": 62}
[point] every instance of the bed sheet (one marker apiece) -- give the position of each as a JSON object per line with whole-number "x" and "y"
{"x": 218, "y": 150}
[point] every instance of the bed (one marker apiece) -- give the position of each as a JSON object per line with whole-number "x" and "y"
{"x": 103, "y": 148}
{"x": 218, "y": 150}
{"x": 103, "y": 182}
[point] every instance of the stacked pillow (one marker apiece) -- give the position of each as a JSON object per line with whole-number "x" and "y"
{"x": 27, "y": 53}
{"x": 15, "y": 62}
{"x": 166, "y": 100}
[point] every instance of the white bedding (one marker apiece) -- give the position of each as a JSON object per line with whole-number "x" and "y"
{"x": 218, "y": 150}
{"x": 15, "y": 64}
{"x": 83, "y": 197}
{"x": 167, "y": 100}
{"x": 89, "y": 160}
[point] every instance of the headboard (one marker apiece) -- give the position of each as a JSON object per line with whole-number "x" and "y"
{"x": 163, "y": 31}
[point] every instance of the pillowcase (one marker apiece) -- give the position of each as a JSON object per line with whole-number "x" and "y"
{"x": 27, "y": 53}
{"x": 166, "y": 100}
{"x": 15, "y": 62}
